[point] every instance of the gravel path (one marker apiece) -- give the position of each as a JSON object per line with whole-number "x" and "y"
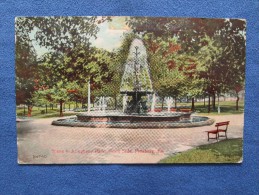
{"x": 41, "y": 143}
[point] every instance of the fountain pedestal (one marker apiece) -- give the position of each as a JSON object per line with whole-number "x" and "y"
{"x": 136, "y": 105}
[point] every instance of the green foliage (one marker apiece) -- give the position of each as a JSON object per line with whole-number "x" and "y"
{"x": 187, "y": 57}
{"x": 66, "y": 75}
{"x": 72, "y": 59}
{"x": 188, "y": 30}
{"x": 26, "y": 67}
{"x": 173, "y": 73}
{"x": 218, "y": 46}
{"x": 59, "y": 33}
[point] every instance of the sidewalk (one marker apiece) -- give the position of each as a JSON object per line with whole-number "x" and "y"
{"x": 41, "y": 143}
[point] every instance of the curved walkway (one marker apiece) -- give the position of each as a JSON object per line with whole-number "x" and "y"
{"x": 41, "y": 143}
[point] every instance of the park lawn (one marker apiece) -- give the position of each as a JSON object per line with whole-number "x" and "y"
{"x": 50, "y": 115}
{"x": 40, "y": 112}
{"x": 226, "y": 107}
{"x": 225, "y": 151}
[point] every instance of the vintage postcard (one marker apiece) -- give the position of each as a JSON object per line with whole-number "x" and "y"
{"x": 112, "y": 89}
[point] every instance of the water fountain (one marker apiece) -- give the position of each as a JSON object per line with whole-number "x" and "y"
{"x": 169, "y": 101}
{"x": 153, "y": 103}
{"x": 101, "y": 103}
{"x": 136, "y": 81}
{"x": 136, "y": 85}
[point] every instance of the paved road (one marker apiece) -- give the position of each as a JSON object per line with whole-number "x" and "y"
{"x": 41, "y": 143}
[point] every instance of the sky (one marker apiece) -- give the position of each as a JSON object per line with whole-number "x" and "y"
{"x": 109, "y": 36}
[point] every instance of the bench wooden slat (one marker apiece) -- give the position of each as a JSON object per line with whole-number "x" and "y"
{"x": 216, "y": 132}
{"x": 222, "y": 123}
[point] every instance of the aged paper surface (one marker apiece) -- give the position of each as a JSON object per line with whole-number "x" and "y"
{"x": 129, "y": 90}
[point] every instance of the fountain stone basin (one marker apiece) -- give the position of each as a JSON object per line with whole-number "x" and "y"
{"x": 132, "y": 118}
{"x": 145, "y": 121}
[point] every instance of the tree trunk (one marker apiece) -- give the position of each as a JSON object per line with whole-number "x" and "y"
{"x": 46, "y": 108}
{"x": 214, "y": 101}
{"x": 193, "y": 104}
{"x": 175, "y": 104}
{"x": 163, "y": 99}
{"x": 218, "y": 105}
{"x": 237, "y": 100}
{"x": 24, "y": 110}
{"x": 60, "y": 109}
{"x": 115, "y": 102}
{"x": 69, "y": 107}
{"x": 29, "y": 111}
{"x": 204, "y": 104}
{"x": 209, "y": 104}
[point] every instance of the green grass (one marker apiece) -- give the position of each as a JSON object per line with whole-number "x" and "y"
{"x": 225, "y": 151}
{"x": 40, "y": 112}
{"x": 226, "y": 107}
{"x": 53, "y": 115}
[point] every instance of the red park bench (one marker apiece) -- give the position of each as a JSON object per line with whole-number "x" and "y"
{"x": 158, "y": 109}
{"x": 221, "y": 127}
{"x": 173, "y": 109}
{"x": 185, "y": 110}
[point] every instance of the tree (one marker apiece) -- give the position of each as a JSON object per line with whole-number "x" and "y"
{"x": 224, "y": 58}
{"x": 193, "y": 34}
{"x": 237, "y": 89}
{"x": 94, "y": 66}
{"x": 72, "y": 71}
{"x": 59, "y": 33}
{"x": 174, "y": 74}
{"x": 232, "y": 39}
{"x": 181, "y": 56}
{"x": 26, "y": 69}
{"x": 212, "y": 76}
{"x": 189, "y": 31}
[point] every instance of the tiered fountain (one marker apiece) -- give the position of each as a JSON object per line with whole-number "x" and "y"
{"x": 136, "y": 80}
{"x": 135, "y": 86}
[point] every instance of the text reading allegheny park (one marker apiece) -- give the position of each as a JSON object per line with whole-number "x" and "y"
{"x": 107, "y": 151}
{"x": 194, "y": 64}
{"x": 98, "y": 151}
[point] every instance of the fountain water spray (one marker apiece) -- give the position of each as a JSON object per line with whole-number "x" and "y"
{"x": 169, "y": 101}
{"x": 136, "y": 80}
{"x": 124, "y": 102}
{"x": 153, "y": 103}
{"x": 89, "y": 100}
{"x": 102, "y": 103}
